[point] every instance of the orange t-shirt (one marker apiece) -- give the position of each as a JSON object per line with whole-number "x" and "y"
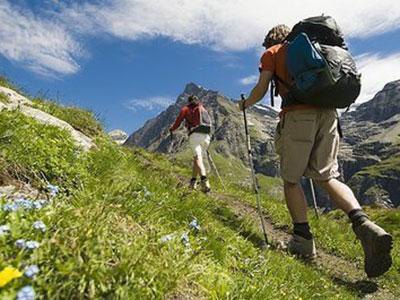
{"x": 274, "y": 60}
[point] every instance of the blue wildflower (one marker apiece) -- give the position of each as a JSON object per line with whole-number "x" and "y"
{"x": 32, "y": 245}
{"x": 53, "y": 189}
{"x": 31, "y": 271}
{"x": 185, "y": 239}
{"x": 24, "y": 203}
{"x": 10, "y": 207}
{"x": 42, "y": 202}
{"x": 21, "y": 244}
{"x": 39, "y": 225}
{"x": 167, "y": 238}
{"x": 194, "y": 225}
{"x": 26, "y": 293}
{"x": 146, "y": 192}
{"x": 37, "y": 205}
{"x": 4, "y": 229}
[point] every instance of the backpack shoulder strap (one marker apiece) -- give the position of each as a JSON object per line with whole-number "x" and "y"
{"x": 275, "y": 81}
{"x": 272, "y": 92}
{"x": 279, "y": 80}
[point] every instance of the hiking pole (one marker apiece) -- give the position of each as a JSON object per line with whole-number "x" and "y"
{"x": 314, "y": 198}
{"x": 171, "y": 136}
{"x": 171, "y": 146}
{"x": 215, "y": 168}
{"x": 253, "y": 174}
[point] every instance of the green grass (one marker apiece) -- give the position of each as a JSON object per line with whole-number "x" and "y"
{"x": 4, "y": 81}
{"x": 104, "y": 231}
{"x": 82, "y": 120}
{"x": 4, "y": 98}
{"x": 380, "y": 169}
{"x": 33, "y": 152}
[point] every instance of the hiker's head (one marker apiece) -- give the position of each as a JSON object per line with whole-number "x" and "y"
{"x": 276, "y": 35}
{"x": 192, "y": 99}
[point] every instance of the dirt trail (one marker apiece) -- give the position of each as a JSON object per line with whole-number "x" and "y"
{"x": 340, "y": 270}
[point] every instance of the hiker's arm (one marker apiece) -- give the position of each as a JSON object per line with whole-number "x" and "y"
{"x": 261, "y": 88}
{"x": 178, "y": 120}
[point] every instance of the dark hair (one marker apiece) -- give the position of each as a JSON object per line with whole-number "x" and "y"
{"x": 276, "y": 35}
{"x": 193, "y": 99}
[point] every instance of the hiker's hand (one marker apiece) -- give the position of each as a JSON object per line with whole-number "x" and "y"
{"x": 242, "y": 104}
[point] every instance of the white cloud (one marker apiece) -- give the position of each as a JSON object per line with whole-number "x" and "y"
{"x": 252, "y": 79}
{"x": 156, "y": 103}
{"x": 227, "y": 25}
{"x": 376, "y": 70}
{"x": 47, "y": 42}
{"x": 41, "y": 45}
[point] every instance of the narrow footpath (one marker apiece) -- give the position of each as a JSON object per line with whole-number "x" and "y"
{"x": 340, "y": 270}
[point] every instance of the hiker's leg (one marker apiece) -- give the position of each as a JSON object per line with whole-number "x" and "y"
{"x": 198, "y": 162}
{"x": 296, "y": 202}
{"x": 196, "y": 168}
{"x": 194, "y": 144}
{"x": 376, "y": 242}
{"x": 302, "y": 242}
{"x": 341, "y": 195}
{"x": 205, "y": 142}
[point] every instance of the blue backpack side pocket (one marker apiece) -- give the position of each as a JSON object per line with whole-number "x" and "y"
{"x": 307, "y": 67}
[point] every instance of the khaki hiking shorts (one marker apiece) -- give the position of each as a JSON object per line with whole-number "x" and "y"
{"x": 307, "y": 142}
{"x": 199, "y": 142}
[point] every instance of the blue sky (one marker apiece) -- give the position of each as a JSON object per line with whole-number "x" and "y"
{"x": 127, "y": 60}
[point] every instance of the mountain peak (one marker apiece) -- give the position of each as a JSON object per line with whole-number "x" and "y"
{"x": 392, "y": 85}
{"x": 384, "y": 105}
{"x": 193, "y": 88}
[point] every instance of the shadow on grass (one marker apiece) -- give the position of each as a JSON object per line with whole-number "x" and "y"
{"x": 362, "y": 287}
{"x": 228, "y": 218}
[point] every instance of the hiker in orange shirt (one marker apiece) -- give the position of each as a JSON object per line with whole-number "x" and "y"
{"x": 307, "y": 142}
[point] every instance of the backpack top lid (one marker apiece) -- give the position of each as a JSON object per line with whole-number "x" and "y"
{"x": 321, "y": 29}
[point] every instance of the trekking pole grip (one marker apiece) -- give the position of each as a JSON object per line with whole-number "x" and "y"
{"x": 242, "y": 96}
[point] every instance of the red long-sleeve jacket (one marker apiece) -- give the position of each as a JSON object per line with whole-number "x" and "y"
{"x": 187, "y": 113}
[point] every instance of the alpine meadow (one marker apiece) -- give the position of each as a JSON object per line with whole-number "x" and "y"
{"x": 199, "y": 150}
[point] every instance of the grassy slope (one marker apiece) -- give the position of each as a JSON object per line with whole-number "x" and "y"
{"x": 82, "y": 120}
{"x": 382, "y": 167}
{"x": 105, "y": 229}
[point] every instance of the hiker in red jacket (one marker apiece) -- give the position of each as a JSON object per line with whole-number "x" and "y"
{"x": 307, "y": 142}
{"x": 198, "y": 123}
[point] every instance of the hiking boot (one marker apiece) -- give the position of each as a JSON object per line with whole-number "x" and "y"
{"x": 205, "y": 185}
{"x": 193, "y": 184}
{"x": 377, "y": 244}
{"x": 301, "y": 247}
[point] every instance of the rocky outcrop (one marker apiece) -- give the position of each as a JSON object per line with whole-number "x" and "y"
{"x": 371, "y": 136}
{"x": 118, "y": 136}
{"x": 382, "y": 107}
{"x": 378, "y": 187}
{"x": 15, "y": 101}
